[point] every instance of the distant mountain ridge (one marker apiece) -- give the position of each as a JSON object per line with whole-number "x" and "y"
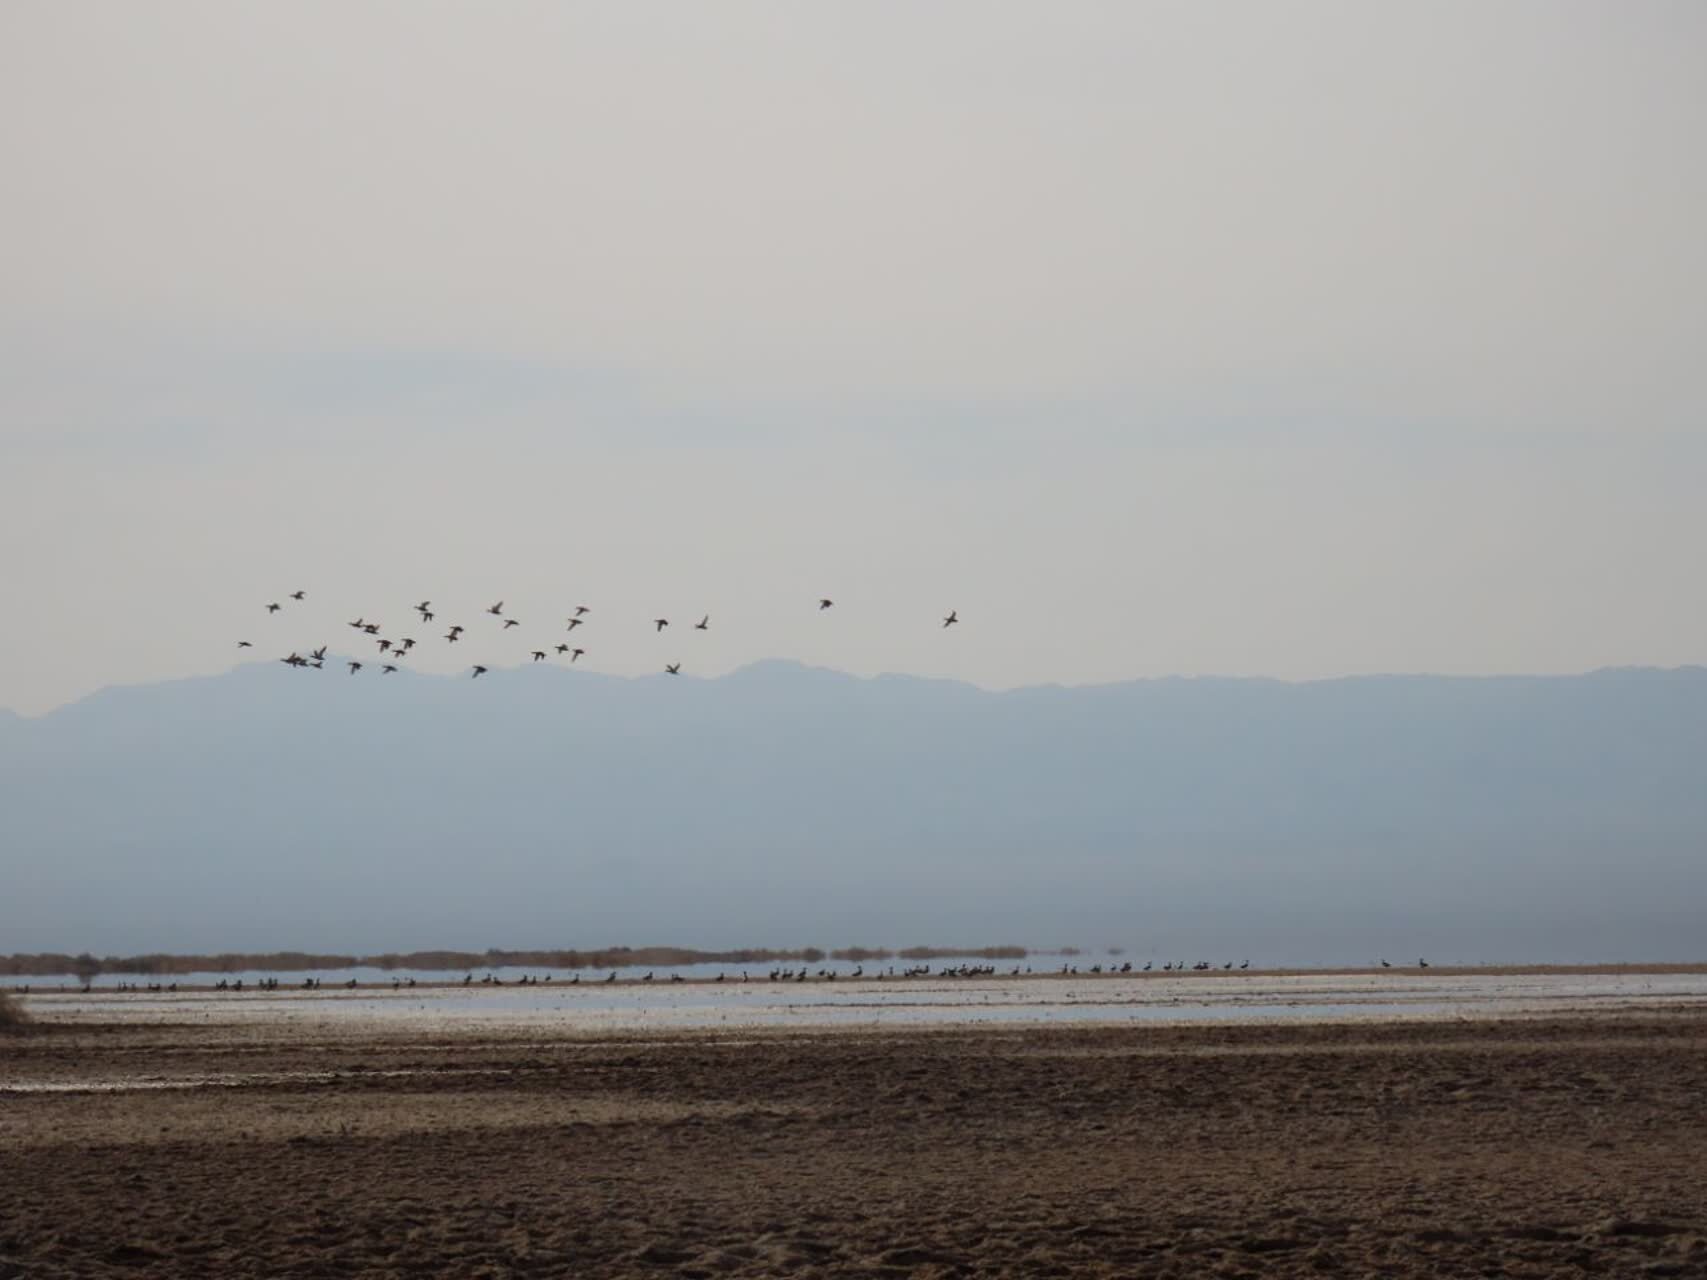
{"x": 1505, "y": 817}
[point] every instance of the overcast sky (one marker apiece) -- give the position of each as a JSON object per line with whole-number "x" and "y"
{"x": 1297, "y": 340}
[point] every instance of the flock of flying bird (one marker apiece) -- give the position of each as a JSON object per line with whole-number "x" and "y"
{"x": 393, "y": 651}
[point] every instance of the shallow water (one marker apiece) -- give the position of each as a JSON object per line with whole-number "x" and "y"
{"x": 900, "y": 1002}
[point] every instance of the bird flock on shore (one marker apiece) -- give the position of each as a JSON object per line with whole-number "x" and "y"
{"x": 393, "y": 649}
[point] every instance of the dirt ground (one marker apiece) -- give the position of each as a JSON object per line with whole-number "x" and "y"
{"x": 1540, "y": 1148}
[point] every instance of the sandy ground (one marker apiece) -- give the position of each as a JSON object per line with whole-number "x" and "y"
{"x": 1511, "y": 1147}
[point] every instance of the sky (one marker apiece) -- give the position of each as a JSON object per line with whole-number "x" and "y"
{"x": 1167, "y": 338}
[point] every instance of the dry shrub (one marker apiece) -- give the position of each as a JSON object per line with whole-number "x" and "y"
{"x": 11, "y": 1011}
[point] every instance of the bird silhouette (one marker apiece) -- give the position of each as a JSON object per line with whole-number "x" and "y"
{"x": 497, "y": 609}
{"x": 372, "y": 628}
{"x": 407, "y": 644}
{"x": 384, "y": 646}
{"x": 427, "y": 615}
{"x": 510, "y": 622}
{"x": 539, "y": 655}
{"x": 297, "y": 595}
{"x": 274, "y": 608}
{"x": 479, "y": 671}
{"x": 319, "y": 655}
{"x": 581, "y": 609}
{"x": 244, "y": 644}
{"x": 575, "y": 653}
{"x": 294, "y": 661}
{"x": 354, "y": 666}
{"x": 388, "y": 669}
{"x": 573, "y": 623}
{"x": 451, "y": 635}
{"x": 704, "y": 624}
{"x": 673, "y": 668}
{"x": 953, "y": 617}
{"x": 423, "y": 606}
{"x": 456, "y": 630}
{"x": 562, "y": 648}
{"x": 824, "y": 603}
{"x": 359, "y": 623}
{"x": 660, "y": 623}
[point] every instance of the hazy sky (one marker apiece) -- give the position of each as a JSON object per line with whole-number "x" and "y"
{"x": 1292, "y": 339}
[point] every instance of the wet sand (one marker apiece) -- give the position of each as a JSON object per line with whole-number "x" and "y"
{"x": 1545, "y": 1146}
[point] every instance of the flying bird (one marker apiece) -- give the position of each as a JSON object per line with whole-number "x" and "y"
{"x": 575, "y": 653}
{"x": 573, "y": 623}
{"x": 456, "y": 630}
{"x": 539, "y": 655}
{"x": 825, "y": 603}
{"x": 704, "y": 624}
{"x": 581, "y": 609}
{"x": 661, "y": 623}
{"x": 423, "y": 606}
{"x": 497, "y": 609}
{"x": 319, "y": 655}
{"x": 479, "y": 671}
{"x": 359, "y": 623}
{"x": 294, "y": 661}
{"x": 407, "y": 644}
{"x": 354, "y": 666}
{"x": 510, "y": 622}
{"x": 388, "y": 669}
{"x": 562, "y": 648}
{"x": 673, "y": 668}
{"x": 244, "y": 644}
{"x": 372, "y": 628}
{"x": 451, "y": 635}
{"x": 273, "y": 608}
{"x": 384, "y": 646}
{"x": 953, "y": 617}
{"x": 296, "y": 595}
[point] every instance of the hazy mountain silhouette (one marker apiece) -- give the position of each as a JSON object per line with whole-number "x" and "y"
{"x": 1500, "y": 818}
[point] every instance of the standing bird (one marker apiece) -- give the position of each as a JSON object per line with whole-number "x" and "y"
{"x": 953, "y": 617}
{"x": 354, "y": 666}
{"x": 824, "y": 602}
{"x": 497, "y": 609}
{"x": 273, "y": 608}
{"x": 704, "y": 624}
{"x": 660, "y": 623}
{"x": 673, "y": 668}
{"x": 244, "y": 644}
{"x": 479, "y": 671}
{"x": 297, "y": 595}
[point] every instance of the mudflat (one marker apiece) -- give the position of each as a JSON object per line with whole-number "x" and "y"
{"x": 1538, "y": 1147}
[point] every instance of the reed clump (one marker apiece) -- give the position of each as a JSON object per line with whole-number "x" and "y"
{"x": 11, "y": 1012}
